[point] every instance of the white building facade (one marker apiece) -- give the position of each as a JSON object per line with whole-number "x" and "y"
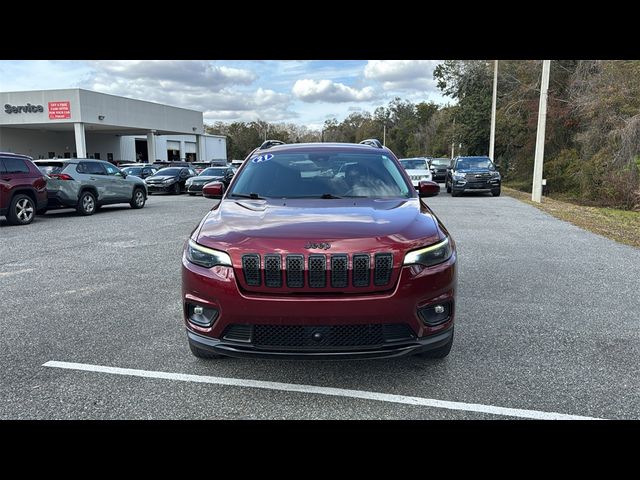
{"x": 80, "y": 123}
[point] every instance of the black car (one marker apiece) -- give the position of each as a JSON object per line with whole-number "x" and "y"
{"x": 170, "y": 180}
{"x": 473, "y": 174}
{"x": 211, "y": 174}
{"x": 438, "y": 167}
{"x": 140, "y": 171}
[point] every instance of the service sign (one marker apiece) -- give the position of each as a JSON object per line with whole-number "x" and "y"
{"x": 59, "y": 110}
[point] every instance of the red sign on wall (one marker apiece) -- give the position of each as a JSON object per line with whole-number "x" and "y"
{"x": 58, "y": 110}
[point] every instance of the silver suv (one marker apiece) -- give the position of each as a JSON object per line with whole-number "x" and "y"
{"x": 86, "y": 185}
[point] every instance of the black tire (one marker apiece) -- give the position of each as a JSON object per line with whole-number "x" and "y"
{"x": 176, "y": 189}
{"x": 448, "y": 187}
{"x": 138, "y": 199}
{"x": 495, "y": 192}
{"x": 191, "y": 194}
{"x": 455, "y": 193}
{"x": 86, "y": 203}
{"x": 22, "y": 210}
{"x": 200, "y": 353}
{"x": 439, "y": 352}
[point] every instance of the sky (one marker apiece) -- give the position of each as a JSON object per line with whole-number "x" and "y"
{"x": 305, "y": 92}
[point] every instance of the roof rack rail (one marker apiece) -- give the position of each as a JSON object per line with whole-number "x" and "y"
{"x": 270, "y": 143}
{"x": 372, "y": 141}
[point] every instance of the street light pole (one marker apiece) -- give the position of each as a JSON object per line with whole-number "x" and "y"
{"x": 384, "y": 134}
{"x": 536, "y": 192}
{"x": 492, "y": 139}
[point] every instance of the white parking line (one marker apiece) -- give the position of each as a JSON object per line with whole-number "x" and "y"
{"x": 337, "y": 392}
{"x": 16, "y": 272}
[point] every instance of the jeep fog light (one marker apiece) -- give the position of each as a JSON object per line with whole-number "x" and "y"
{"x": 201, "y": 316}
{"x": 433, "y": 315}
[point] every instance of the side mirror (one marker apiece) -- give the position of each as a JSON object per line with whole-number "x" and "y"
{"x": 428, "y": 189}
{"x": 213, "y": 190}
{"x": 497, "y": 167}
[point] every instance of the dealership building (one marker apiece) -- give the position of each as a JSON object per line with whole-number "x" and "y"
{"x": 73, "y": 122}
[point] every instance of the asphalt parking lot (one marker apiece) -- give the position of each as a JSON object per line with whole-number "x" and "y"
{"x": 548, "y": 326}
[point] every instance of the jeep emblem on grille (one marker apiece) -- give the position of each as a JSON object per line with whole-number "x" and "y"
{"x": 321, "y": 245}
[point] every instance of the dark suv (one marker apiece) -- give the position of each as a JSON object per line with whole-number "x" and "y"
{"x": 170, "y": 180}
{"x": 23, "y": 189}
{"x": 472, "y": 174}
{"x": 319, "y": 250}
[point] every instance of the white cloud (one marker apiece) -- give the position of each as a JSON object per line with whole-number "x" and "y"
{"x": 192, "y": 84}
{"x": 402, "y": 74}
{"x": 309, "y": 90}
{"x": 167, "y": 73}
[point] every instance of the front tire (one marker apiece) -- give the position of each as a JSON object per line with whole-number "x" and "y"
{"x": 86, "y": 204}
{"x": 439, "y": 352}
{"x": 138, "y": 200}
{"x": 21, "y": 211}
{"x": 200, "y": 353}
{"x": 176, "y": 188}
{"x": 455, "y": 193}
{"x": 495, "y": 192}
{"x": 448, "y": 186}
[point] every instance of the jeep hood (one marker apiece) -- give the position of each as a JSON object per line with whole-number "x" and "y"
{"x": 287, "y": 225}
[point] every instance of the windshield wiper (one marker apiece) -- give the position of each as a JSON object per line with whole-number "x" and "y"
{"x": 330, "y": 196}
{"x": 252, "y": 196}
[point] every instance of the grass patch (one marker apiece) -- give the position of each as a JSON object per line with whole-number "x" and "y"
{"x": 620, "y": 225}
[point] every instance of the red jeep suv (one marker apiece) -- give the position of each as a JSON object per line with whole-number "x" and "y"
{"x": 323, "y": 251}
{"x": 23, "y": 189}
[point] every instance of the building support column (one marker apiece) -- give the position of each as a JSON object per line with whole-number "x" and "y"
{"x": 151, "y": 146}
{"x": 183, "y": 151}
{"x": 200, "y": 148}
{"x": 81, "y": 143}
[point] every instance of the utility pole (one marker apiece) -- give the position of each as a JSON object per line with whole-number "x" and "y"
{"x": 453, "y": 140}
{"x": 492, "y": 139}
{"x": 536, "y": 193}
{"x": 384, "y": 134}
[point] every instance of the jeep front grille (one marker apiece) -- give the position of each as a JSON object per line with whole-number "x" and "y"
{"x": 300, "y": 270}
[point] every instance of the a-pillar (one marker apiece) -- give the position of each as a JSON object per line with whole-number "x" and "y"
{"x": 81, "y": 143}
{"x": 200, "y": 148}
{"x": 151, "y": 146}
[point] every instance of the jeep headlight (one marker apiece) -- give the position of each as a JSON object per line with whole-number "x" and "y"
{"x": 431, "y": 255}
{"x": 459, "y": 176}
{"x": 206, "y": 257}
{"x": 168, "y": 180}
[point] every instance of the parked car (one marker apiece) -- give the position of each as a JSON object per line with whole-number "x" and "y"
{"x": 23, "y": 189}
{"x": 200, "y": 166}
{"x": 417, "y": 169}
{"x": 140, "y": 170}
{"x": 170, "y": 180}
{"x": 319, "y": 266}
{"x": 477, "y": 174}
{"x": 438, "y": 167}
{"x": 212, "y": 174}
{"x": 87, "y": 184}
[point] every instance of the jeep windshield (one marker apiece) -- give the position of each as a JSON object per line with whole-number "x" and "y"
{"x": 414, "y": 164}
{"x": 322, "y": 174}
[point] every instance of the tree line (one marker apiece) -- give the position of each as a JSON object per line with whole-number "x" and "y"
{"x": 592, "y": 146}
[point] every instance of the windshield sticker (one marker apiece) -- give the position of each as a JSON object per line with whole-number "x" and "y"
{"x": 262, "y": 158}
